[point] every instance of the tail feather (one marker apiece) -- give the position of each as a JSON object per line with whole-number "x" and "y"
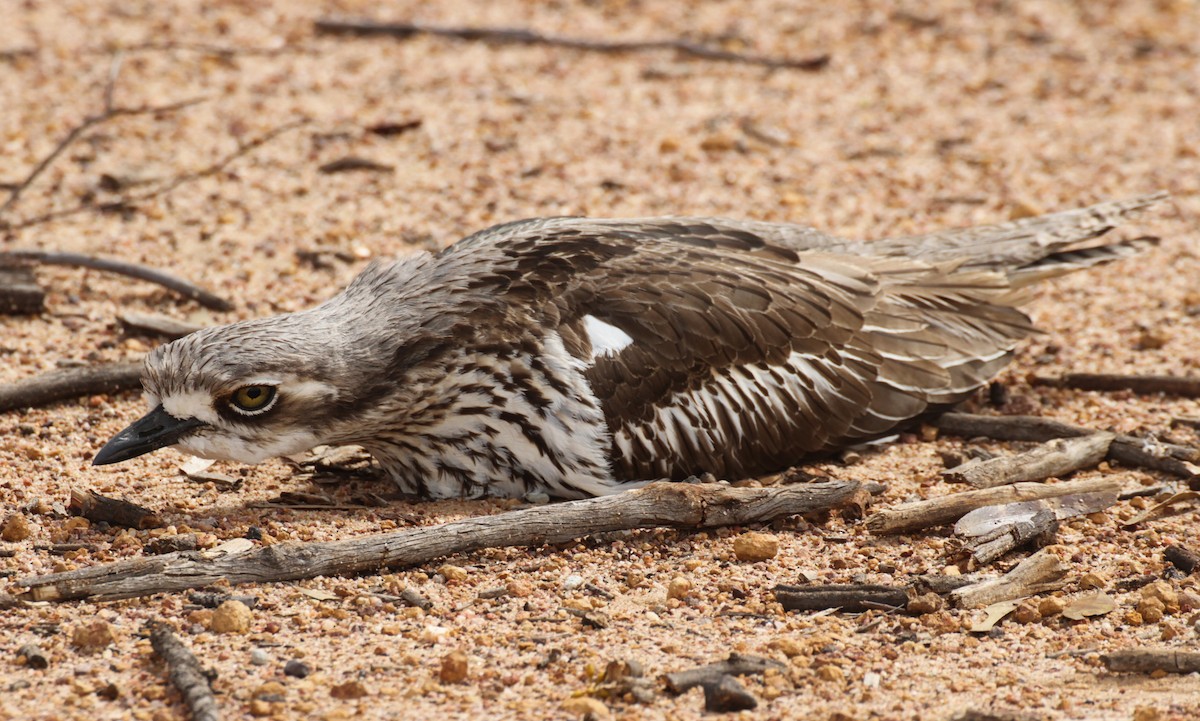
{"x": 1020, "y": 244}
{"x": 1069, "y": 261}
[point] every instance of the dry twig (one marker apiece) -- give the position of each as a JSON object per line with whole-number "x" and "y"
{"x": 659, "y": 504}
{"x": 851, "y": 597}
{"x": 98, "y": 508}
{"x": 167, "y": 186}
{"x": 1043, "y": 571}
{"x": 990, "y": 546}
{"x": 1149, "y": 660}
{"x": 918, "y": 515}
{"x": 1185, "y": 559}
{"x": 1128, "y": 450}
{"x": 1143, "y": 385}
{"x": 737, "y": 664}
{"x": 70, "y": 383}
{"x": 120, "y": 267}
{"x": 88, "y": 123}
{"x": 1053, "y": 459}
{"x": 186, "y": 673}
{"x": 523, "y": 36}
{"x": 157, "y": 324}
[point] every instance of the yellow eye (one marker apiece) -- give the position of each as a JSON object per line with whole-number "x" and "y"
{"x": 252, "y": 400}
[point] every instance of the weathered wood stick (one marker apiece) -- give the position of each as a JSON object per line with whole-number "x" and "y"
{"x": 185, "y": 672}
{"x": 1043, "y": 571}
{"x": 987, "y": 548}
{"x": 20, "y": 293}
{"x": 70, "y": 383}
{"x": 737, "y": 664}
{"x": 848, "y": 597}
{"x": 132, "y": 270}
{"x": 658, "y": 504}
{"x": 1053, "y": 459}
{"x": 947, "y": 509}
{"x": 1144, "y": 385}
{"x": 1131, "y": 451}
{"x": 98, "y": 508}
{"x": 1149, "y": 660}
{"x": 522, "y": 36}
{"x": 1185, "y": 559}
{"x": 157, "y": 324}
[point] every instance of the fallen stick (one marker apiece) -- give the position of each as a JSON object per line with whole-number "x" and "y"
{"x": 157, "y": 324}
{"x": 20, "y": 293}
{"x": 1185, "y": 559}
{"x": 132, "y": 270}
{"x": 659, "y": 504}
{"x": 726, "y": 695}
{"x": 1043, "y": 571}
{"x": 737, "y": 664}
{"x": 848, "y": 597}
{"x": 1143, "y": 385}
{"x": 918, "y": 515}
{"x": 70, "y": 383}
{"x": 89, "y": 122}
{"x": 185, "y": 672}
{"x": 1125, "y": 449}
{"x": 1053, "y": 459}
{"x": 987, "y": 548}
{"x": 1149, "y": 660}
{"x": 522, "y": 36}
{"x": 127, "y": 201}
{"x": 97, "y": 508}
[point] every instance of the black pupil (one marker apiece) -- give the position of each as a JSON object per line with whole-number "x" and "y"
{"x": 254, "y": 393}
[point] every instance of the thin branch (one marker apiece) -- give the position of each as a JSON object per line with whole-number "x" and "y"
{"x": 1131, "y": 451}
{"x": 70, "y": 383}
{"x": 1149, "y": 660}
{"x": 523, "y": 36}
{"x": 1043, "y": 571}
{"x": 133, "y": 270}
{"x": 166, "y": 187}
{"x": 88, "y": 123}
{"x": 1053, "y": 459}
{"x": 919, "y": 515}
{"x": 659, "y": 504}
{"x": 1181, "y": 386}
{"x": 186, "y": 673}
{"x": 738, "y": 664}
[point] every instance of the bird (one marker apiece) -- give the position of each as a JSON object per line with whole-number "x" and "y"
{"x": 576, "y": 357}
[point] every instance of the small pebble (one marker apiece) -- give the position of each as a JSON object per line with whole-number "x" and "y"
{"x": 452, "y": 573}
{"x": 296, "y": 669}
{"x": 259, "y": 657}
{"x": 679, "y": 588}
{"x": 586, "y": 707}
{"x": 455, "y": 667}
{"x": 16, "y": 528}
{"x": 92, "y": 637}
{"x": 231, "y": 617}
{"x": 755, "y": 547}
{"x": 348, "y": 691}
{"x": 572, "y": 582}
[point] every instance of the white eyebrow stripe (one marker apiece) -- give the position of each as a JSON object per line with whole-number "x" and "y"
{"x": 190, "y": 404}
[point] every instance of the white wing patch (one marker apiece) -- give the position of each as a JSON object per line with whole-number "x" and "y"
{"x": 606, "y": 338}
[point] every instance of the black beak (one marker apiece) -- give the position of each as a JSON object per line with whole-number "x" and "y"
{"x": 157, "y": 429}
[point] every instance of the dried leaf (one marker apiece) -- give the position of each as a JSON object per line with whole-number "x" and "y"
{"x": 995, "y": 612}
{"x": 318, "y": 594}
{"x": 1094, "y": 604}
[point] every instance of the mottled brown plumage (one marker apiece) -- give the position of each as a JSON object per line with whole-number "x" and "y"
{"x": 571, "y": 355}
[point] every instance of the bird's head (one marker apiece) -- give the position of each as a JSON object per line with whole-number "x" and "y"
{"x": 277, "y": 386}
{"x": 244, "y": 392}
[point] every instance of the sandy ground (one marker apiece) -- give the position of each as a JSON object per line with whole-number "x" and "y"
{"x": 928, "y": 115}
